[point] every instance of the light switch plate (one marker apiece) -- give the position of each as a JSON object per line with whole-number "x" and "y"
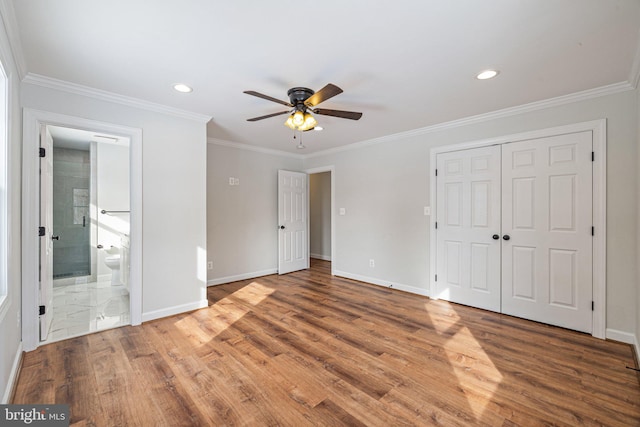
{"x": 427, "y": 210}
{"x": 231, "y": 180}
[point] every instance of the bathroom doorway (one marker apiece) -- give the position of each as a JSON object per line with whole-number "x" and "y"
{"x": 91, "y": 227}
{"x": 321, "y": 220}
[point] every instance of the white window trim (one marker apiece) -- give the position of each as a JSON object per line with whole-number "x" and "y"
{"x": 599, "y": 132}
{"x": 5, "y": 173}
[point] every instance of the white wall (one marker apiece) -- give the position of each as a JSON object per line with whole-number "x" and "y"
{"x": 112, "y": 194}
{"x": 10, "y": 334}
{"x": 242, "y": 220}
{"x": 385, "y": 186}
{"x": 320, "y": 215}
{"x": 173, "y": 195}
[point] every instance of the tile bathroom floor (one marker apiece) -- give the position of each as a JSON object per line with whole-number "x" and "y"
{"x": 83, "y": 308}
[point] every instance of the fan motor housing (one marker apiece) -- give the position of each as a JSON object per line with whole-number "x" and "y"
{"x": 297, "y": 95}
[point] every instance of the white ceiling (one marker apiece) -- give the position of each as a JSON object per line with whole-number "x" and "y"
{"x": 405, "y": 64}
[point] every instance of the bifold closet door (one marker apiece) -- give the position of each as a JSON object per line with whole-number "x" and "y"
{"x": 468, "y": 221}
{"x": 547, "y": 214}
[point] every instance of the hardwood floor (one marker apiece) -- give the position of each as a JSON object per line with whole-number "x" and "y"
{"x": 311, "y": 349}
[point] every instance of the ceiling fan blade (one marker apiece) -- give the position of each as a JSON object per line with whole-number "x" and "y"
{"x": 329, "y": 91}
{"x": 267, "y": 97}
{"x": 255, "y": 119}
{"x": 338, "y": 113}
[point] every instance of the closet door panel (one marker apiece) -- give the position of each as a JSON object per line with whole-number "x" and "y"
{"x": 547, "y": 214}
{"x": 468, "y": 215}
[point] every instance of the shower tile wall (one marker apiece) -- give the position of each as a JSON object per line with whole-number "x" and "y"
{"x": 71, "y": 220}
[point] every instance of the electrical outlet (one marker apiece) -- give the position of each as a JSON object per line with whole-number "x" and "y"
{"x": 236, "y": 181}
{"x": 372, "y": 263}
{"x": 343, "y": 211}
{"x": 210, "y": 265}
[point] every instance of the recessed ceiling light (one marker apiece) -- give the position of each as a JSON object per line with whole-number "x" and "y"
{"x": 181, "y": 87}
{"x": 488, "y": 74}
{"x": 318, "y": 128}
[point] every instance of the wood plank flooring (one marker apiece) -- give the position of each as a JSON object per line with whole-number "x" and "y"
{"x": 311, "y": 349}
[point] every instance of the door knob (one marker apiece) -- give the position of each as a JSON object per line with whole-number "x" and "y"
{"x": 506, "y": 237}
{"x": 496, "y": 237}
{"x": 55, "y": 237}
{"x": 282, "y": 227}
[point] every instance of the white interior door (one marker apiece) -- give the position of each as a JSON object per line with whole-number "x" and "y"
{"x": 468, "y": 227}
{"x": 547, "y": 213}
{"x": 292, "y": 222}
{"x": 46, "y": 241}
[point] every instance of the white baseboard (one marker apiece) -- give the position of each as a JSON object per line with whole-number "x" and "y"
{"x": 176, "y": 309}
{"x": 383, "y": 283}
{"x": 322, "y": 257}
{"x": 625, "y": 337}
{"x": 245, "y": 276}
{"x": 13, "y": 376}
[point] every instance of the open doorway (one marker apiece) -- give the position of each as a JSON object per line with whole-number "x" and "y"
{"x": 33, "y": 123}
{"x": 90, "y": 233}
{"x": 321, "y": 202}
{"x": 320, "y": 216}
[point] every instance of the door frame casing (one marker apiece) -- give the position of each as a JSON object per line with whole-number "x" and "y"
{"x": 32, "y": 119}
{"x": 598, "y": 129}
{"x": 331, "y": 170}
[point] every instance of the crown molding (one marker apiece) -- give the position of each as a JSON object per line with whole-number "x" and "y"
{"x": 103, "y": 95}
{"x": 506, "y": 112}
{"x": 247, "y": 147}
{"x": 11, "y": 27}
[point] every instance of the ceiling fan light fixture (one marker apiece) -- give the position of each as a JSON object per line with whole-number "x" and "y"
{"x": 309, "y": 121}
{"x": 301, "y": 121}
{"x": 298, "y": 118}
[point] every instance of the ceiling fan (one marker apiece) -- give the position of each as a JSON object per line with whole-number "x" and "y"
{"x": 302, "y": 101}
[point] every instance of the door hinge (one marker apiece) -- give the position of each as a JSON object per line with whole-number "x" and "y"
{"x": 41, "y": 231}
{"x": 42, "y": 310}
{"x": 593, "y": 231}
{"x": 42, "y": 152}
{"x": 593, "y": 156}
{"x": 436, "y": 172}
{"x": 436, "y": 225}
{"x": 436, "y": 277}
{"x": 592, "y": 306}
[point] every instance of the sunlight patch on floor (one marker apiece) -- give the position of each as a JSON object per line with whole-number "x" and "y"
{"x": 226, "y": 312}
{"x": 475, "y": 371}
{"x": 253, "y": 293}
{"x": 452, "y": 317}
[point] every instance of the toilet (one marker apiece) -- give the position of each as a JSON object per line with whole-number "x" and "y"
{"x": 112, "y": 261}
